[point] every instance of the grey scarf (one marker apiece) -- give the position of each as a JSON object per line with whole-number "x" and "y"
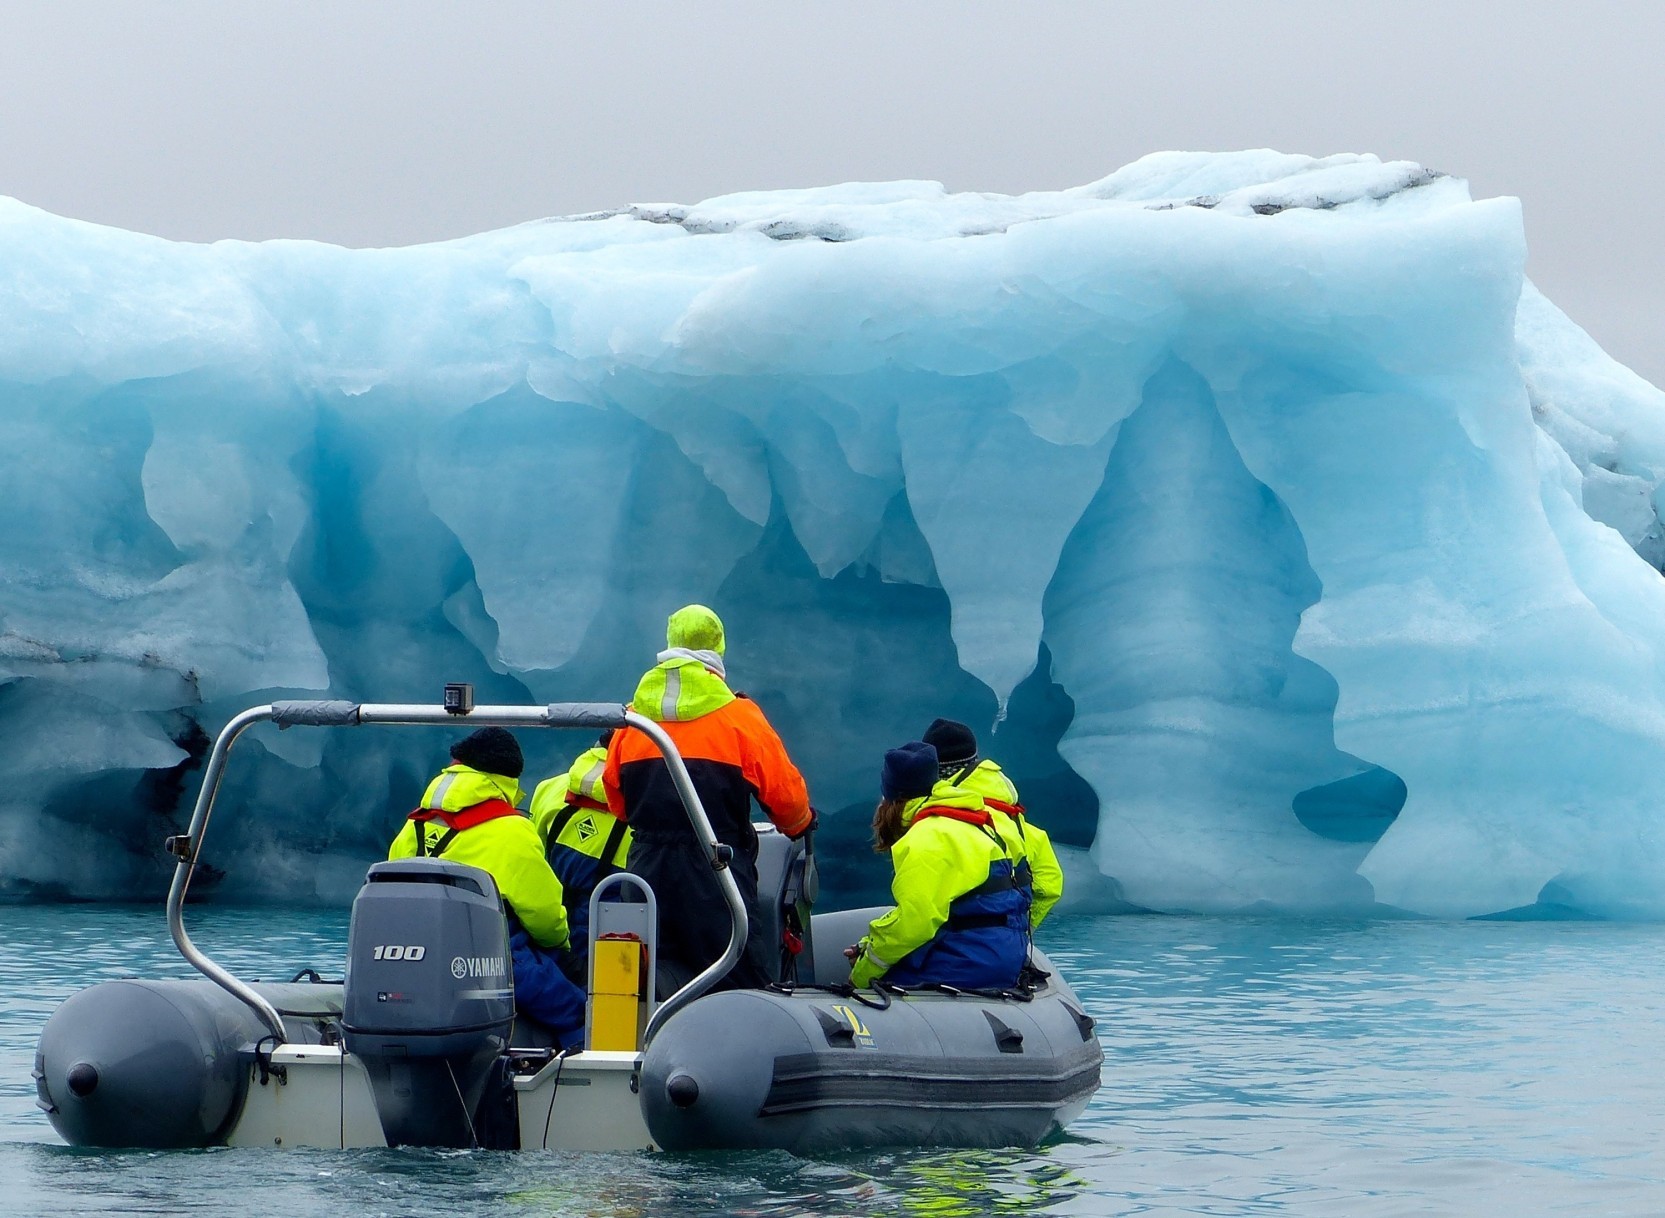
{"x": 710, "y": 659}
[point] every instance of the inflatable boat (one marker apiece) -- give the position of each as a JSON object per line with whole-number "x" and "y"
{"x": 418, "y": 1044}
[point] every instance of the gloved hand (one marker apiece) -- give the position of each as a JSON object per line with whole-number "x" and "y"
{"x": 864, "y": 970}
{"x": 814, "y": 821}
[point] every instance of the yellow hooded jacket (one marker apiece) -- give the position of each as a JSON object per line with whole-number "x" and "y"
{"x": 590, "y": 825}
{"x": 937, "y": 860}
{"x": 1023, "y": 837}
{"x": 508, "y": 847}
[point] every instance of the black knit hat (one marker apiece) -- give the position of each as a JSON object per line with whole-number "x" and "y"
{"x": 910, "y": 771}
{"x": 492, "y": 750}
{"x": 956, "y": 744}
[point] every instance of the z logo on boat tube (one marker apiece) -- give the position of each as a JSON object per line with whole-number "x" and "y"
{"x": 863, "y": 1036}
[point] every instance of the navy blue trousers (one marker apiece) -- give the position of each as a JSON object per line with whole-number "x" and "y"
{"x": 544, "y": 993}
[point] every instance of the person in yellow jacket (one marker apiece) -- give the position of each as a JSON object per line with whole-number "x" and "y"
{"x": 469, "y": 815}
{"x": 584, "y": 842}
{"x": 1038, "y": 870}
{"x": 960, "y": 919}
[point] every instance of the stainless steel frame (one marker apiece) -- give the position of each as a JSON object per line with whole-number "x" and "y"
{"x": 622, "y": 880}
{"x": 355, "y": 714}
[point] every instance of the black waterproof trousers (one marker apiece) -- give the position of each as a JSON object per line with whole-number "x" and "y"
{"x": 694, "y": 919}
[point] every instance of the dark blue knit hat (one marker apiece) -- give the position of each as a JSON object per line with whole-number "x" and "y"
{"x": 910, "y": 771}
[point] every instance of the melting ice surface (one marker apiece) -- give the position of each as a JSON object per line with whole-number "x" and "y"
{"x": 1285, "y": 544}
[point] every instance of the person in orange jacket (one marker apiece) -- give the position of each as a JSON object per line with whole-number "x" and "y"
{"x": 733, "y": 756}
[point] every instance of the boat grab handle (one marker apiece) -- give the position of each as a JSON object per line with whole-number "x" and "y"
{"x": 586, "y": 714}
{"x": 315, "y": 714}
{"x": 338, "y": 713}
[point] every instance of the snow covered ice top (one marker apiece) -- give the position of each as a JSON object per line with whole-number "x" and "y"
{"x": 1332, "y": 537}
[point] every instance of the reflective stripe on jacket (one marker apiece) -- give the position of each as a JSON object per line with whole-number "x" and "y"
{"x": 506, "y": 846}
{"x": 959, "y": 918}
{"x": 1024, "y": 839}
{"x": 679, "y": 689}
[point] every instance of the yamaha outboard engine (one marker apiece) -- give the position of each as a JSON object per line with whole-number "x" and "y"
{"x": 429, "y": 997}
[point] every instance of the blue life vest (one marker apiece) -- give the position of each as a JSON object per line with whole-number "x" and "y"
{"x": 983, "y": 945}
{"x": 579, "y": 874}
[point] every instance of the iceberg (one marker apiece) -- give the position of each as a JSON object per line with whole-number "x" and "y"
{"x": 1285, "y": 544}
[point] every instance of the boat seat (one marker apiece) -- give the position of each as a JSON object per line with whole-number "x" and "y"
{"x": 530, "y": 1034}
{"x": 786, "y": 880}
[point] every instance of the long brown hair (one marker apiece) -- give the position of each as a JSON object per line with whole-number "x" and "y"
{"x": 887, "y": 824}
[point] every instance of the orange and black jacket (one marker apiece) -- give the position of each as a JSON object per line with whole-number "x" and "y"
{"x": 732, "y": 755}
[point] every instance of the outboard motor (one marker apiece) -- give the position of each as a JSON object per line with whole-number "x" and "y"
{"x": 429, "y": 996}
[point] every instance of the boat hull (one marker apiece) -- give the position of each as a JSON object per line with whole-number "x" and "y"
{"x": 176, "y": 1064}
{"x": 813, "y": 1070}
{"x": 162, "y": 1064}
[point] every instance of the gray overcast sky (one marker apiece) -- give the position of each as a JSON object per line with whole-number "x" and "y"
{"x": 389, "y": 123}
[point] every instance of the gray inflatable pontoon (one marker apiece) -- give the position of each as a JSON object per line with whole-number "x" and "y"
{"x": 419, "y": 1044}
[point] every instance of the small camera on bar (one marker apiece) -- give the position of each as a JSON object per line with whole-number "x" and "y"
{"x": 459, "y": 698}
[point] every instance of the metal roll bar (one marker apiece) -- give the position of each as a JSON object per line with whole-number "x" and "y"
{"x": 324, "y": 713}
{"x": 650, "y": 904}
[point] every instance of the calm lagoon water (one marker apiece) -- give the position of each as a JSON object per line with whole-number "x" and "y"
{"x": 1253, "y": 1067}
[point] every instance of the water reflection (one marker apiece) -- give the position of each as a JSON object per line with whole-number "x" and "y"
{"x": 427, "y": 1183}
{"x": 956, "y": 1183}
{"x": 944, "y": 1184}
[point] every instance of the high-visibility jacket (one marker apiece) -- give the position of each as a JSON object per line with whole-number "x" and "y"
{"x": 1030, "y": 847}
{"x": 469, "y": 816}
{"x": 584, "y": 842}
{"x": 733, "y": 757}
{"x": 959, "y": 918}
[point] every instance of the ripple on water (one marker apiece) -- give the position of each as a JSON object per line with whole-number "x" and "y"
{"x": 1252, "y": 1067}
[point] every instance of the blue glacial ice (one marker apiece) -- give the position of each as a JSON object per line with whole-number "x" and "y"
{"x": 1287, "y": 545}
